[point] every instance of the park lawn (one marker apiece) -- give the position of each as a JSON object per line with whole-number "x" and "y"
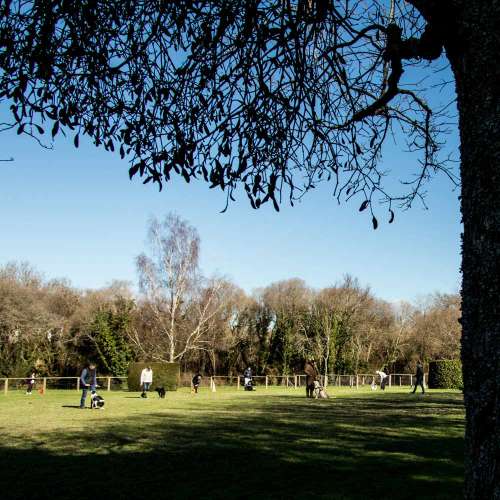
{"x": 270, "y": 443}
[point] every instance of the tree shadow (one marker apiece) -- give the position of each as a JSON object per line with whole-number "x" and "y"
{"x": 280, "y": 447}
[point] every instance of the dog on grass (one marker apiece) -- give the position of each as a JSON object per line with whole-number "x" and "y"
{"x": 319, "y": 391}
{"x": 96, "y": 401}
{"x": 161, "y": 392}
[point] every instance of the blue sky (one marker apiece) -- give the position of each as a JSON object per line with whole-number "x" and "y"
{"x": 75, "y": 214}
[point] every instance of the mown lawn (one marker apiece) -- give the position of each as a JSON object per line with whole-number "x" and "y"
{"x": 266, "y": 444}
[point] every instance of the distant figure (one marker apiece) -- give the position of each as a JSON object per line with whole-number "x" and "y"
{"x": 311, "y": 372}
{"x": 247, "y": 374}
{"x": 88, "y": 379}
{"x": 30, "y": 383}
{"x": 196, "y": 382}
{"x": 384, "y": 378}
{"x": 146, "y": 380}
{"x": 419, "y": 377}
{"x": 161, "y": 392}
{"x": 319, "y": 391}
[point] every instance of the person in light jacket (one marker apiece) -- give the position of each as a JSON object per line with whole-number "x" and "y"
{"x": 384, "y": 378}
{"x": 146, "y": 380}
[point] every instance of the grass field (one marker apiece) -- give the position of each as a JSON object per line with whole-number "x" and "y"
{"x": 266, "y": 444}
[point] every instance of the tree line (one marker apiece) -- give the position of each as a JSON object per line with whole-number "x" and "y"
{"x": 211, "y": 324}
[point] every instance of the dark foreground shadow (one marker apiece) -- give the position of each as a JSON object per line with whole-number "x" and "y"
{"x": 282, "y": 447}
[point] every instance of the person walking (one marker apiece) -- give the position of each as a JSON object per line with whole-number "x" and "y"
{"x": 30, "y": 383}
{"x": 88, "y": 380}
{"x": 146, "y": 380}
{"x": 311, "y": 372}
{"x": 419, "y": 377}
{"x": 196, "y": 382}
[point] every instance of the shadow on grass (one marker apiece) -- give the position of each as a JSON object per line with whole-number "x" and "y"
{"x": 274, "y": 447}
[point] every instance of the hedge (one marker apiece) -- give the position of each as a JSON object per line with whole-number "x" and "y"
{"x": 165, "y": 375}
{"x": 445, "y": 374}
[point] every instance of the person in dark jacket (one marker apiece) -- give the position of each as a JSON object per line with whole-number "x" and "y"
{"x": 419, "y": 377}
{"x": 196, "y": 382}
{"x": 248, "y": 379}
{"x": 30, "y": 383}
{"x": 311, "y": 372}
{"x": 88, "y": 380}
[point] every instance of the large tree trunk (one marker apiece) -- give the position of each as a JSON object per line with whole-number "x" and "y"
{"x": 474, "y": 55}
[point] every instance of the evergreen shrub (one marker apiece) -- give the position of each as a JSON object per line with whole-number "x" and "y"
{"x": 445, "y": 374}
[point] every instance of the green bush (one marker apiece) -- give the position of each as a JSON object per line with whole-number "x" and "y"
{"x": 165, "y": 375}
{"x": 445, "y": 374}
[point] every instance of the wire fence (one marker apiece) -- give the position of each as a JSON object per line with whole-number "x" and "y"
{"x": 42, "y": 384}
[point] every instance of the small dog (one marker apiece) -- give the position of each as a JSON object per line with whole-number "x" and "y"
{"x": 161, "y": 392}
{"x": 96, "y": 401}
{"x": 319, "y": 391}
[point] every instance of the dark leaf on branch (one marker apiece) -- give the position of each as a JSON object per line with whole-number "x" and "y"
{"x": 133, "y": 170}
{"x": 364, "y": 205}
{"x": 55, "y": 128}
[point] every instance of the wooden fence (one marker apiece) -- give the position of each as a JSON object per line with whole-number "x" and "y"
{"x": 286, "y": 381}
{"x": 42, "y": 384}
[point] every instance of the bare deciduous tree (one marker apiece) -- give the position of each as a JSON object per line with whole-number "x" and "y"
{"x": 180, "y": 302}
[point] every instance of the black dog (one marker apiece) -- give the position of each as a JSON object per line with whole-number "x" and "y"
{"x": 161, "y": 392}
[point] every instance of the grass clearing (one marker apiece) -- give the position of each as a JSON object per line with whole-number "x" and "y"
{"x": 271, "y": 443}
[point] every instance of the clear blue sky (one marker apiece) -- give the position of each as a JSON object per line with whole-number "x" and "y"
{"x": 75, "y": 214}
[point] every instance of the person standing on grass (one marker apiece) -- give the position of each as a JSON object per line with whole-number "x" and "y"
{"x": 88, "y": 380}
{"x": 311, "y": 372}
{"x": 146, "y": 380}
{"x": 30, "y": 383}
{"x": 196, "y": 382}
{"x": 419, "y": 377}
{"x": 384, "y": 378}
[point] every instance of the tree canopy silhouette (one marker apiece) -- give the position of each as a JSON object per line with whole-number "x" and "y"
{"x": 265, "y": 94}
{"x": 275, "y": 96}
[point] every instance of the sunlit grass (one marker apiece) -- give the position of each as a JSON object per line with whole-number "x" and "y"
{"x": 271, "y": 443}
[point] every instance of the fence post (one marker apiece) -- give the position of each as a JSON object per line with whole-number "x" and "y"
{"x": 411, "y": 380}
{"x": 78, "y": 383}
{"x": 357, "y": 382}
{"x": 390, "y": 379}
{"x": 267, "y": 381}
{"x": 44, "y": 384}
{"x": 109, "y": 383}
{"x": 6, "y": 386}
{"x": 238, "y": 383}
{"x": 295, "y": 381}
{"x": 400, "y": 381}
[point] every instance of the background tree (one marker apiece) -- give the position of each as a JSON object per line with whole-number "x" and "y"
{"x": 277, "y": 96}
{"x": 288, "y": 302}
{"x": 180, "y": 303}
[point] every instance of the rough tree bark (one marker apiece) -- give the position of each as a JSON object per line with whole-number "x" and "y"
{"x": 474, "y": 53}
